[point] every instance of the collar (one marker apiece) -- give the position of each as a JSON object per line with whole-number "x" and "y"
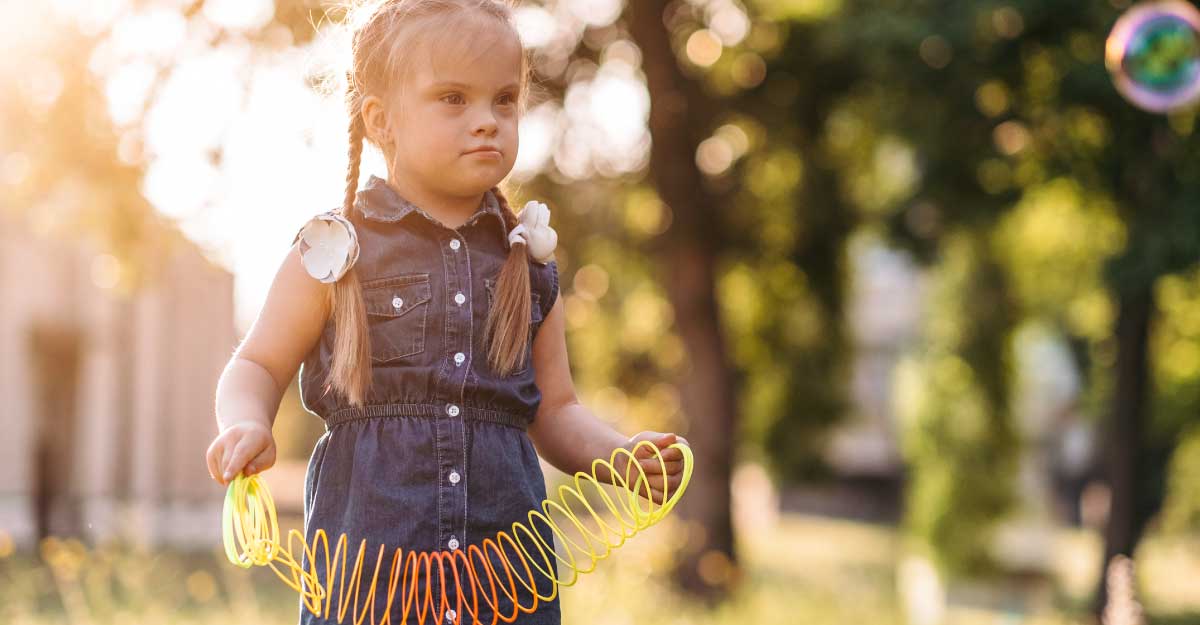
{"x": 379, "y": 201}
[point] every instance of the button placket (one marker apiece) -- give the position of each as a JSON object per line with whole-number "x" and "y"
{"x": 459, "y": 327}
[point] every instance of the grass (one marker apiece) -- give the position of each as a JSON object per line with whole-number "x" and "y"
{"x": 793, "y": 569}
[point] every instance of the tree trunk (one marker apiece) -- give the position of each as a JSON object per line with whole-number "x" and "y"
{"x": 1126, "y": 433}
{"x": 681, "y": 115}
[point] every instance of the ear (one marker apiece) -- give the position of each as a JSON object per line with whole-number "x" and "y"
{"x": 374, "y": 115}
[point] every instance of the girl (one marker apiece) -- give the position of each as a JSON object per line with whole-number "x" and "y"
{"x": 437, "y": 357}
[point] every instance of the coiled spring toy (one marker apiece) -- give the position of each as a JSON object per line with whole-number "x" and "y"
{"x": 251, "y": 536}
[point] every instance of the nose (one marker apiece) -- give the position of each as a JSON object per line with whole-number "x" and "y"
{"x": 485, "y": 123}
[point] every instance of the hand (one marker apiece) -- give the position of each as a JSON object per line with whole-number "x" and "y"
{"x": 650, "y": 464}
{"x": 243, "y": 447}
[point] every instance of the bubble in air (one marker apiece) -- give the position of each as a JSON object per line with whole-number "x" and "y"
{"x": 1153, "y": 55}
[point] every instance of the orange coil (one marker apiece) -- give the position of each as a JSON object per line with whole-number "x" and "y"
{"x": 251, "y": 536}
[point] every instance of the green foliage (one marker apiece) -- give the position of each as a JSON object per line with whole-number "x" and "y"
{"x": 952, "y": 395}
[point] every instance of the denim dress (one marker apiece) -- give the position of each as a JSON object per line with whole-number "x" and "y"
{"x": 438, "y": 458}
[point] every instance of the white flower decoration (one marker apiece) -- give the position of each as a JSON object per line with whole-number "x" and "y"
{"x": 329, "y": 246}
{"x": 534, "y": 227}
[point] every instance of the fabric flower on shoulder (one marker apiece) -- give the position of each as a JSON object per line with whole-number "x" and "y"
{"x": 534, "y": 228}
{"x": 329, "y": 246}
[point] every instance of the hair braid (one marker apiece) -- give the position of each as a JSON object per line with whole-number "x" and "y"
{"x": 507, "y": 328}
{"x": 350, "y": 371}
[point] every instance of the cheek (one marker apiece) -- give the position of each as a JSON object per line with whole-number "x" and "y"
{"x": 430, "y": 141}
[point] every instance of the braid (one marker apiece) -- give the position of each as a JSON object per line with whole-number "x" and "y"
{"x": 510, "y": 217}
{"x": 507, "y": 328}
{"x": 357, "y": 132}
{"x": 350, "y": 372}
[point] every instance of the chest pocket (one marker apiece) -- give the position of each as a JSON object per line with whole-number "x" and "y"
{"x": 534, "y": 322}
{"x": 397, "y": 307}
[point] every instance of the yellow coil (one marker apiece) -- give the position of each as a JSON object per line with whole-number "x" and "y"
{"x": 249, "y": 519}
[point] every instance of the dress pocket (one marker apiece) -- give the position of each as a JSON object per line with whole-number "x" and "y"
{"x": 397, "y": 307}
{"x": 534, "y": 321}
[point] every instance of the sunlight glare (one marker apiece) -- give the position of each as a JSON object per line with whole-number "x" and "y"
{"x": 595, "y": 12}
{"x": 535, "y": 26}
{"x": 196, "y": 103}
{"x": 126, "y": 91}
{"x": 240, "y": 14}
{"x": 539, "y": 129}
{"x": 156, "y": 33}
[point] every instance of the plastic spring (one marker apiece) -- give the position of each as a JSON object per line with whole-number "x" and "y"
{"x": 251, "y": 537}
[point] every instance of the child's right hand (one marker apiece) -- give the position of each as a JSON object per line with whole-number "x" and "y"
{"x": 242, "y": 447}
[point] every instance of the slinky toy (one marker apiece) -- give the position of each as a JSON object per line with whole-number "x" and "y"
{"x": 251, "y": 536}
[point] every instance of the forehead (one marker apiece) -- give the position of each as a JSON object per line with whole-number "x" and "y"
{"x": 479, "y": 53}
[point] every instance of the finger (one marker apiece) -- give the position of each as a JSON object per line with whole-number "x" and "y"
{"x": 214, "y": 469}
{"x": 238, "y": 459}
{"x": 654, "y": 466}
{"x": 651, "y": 467}
{"x": 644, "y": 449}
{"x": 260, "y": 462}
{"x": 223, "y": 461}
{"x": 655, "y": 495}
{"x": 653, "y": 481}
{"x": 672, "y": 453}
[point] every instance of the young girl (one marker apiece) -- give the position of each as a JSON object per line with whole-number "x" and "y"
{"x": 426, "y": 315}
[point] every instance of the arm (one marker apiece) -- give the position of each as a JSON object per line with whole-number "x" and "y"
{"x": 253, "y": 382}
{"x": 565, "y": 432}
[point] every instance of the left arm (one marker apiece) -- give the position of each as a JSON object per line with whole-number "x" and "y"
{"x": 567, "y": 434}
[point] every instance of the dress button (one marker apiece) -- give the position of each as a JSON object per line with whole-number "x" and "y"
{"x": 450, "y": 615}
{"x": 453, "y": 544}
{"x": 454, "y": 244}
{"x": 452, "y": 410}
{"x": 459, "y": 358}
{"x": 397, "y": 302}
{"x": 460, "y": 298}
{"x": 454, "y": 477}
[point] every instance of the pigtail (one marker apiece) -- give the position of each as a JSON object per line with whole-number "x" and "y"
{"x": 350, "y": 371}
{"x": 506, "y": 331}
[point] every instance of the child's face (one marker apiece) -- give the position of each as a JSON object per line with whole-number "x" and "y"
{"x": 447, "y": 109}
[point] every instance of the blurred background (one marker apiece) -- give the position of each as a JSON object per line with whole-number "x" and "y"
{"x": 917, "y": 284}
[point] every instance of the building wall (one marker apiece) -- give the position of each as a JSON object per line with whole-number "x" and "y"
{"x": 126, "y": 427}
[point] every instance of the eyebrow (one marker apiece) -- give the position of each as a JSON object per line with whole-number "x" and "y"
{"x": 458, "y": 85}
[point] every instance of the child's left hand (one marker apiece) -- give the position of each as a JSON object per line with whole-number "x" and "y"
{"x": 650, "y": 464}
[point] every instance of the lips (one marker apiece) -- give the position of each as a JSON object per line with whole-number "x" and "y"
{"x": 484, "y": 149}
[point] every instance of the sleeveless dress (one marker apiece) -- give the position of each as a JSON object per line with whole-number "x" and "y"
{"x": 439, "y": 458}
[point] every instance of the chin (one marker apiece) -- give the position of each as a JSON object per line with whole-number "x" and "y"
{"x": 482, "y": 183}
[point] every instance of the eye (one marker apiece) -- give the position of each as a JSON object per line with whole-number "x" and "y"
{"x": 507, "y": 98}
{"x": 452, "y": 95}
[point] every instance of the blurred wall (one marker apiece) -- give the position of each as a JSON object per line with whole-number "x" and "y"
{"x": 107, "y": 397}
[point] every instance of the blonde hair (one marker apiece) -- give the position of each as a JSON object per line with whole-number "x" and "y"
{"x": 383, "y": 36}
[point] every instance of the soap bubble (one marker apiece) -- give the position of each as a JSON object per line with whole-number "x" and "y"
{"x": 1153, "y": 54}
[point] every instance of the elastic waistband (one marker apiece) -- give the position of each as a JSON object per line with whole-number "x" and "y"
{"x": 355, "y": 413}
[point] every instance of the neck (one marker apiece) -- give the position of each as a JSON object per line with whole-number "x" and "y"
{"x": 451, "y": 210}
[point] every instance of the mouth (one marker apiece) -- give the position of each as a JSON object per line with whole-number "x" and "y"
{"x": 487, "y": 150}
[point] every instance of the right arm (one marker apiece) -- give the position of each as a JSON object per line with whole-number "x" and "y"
{"x": 260, "y": 370}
